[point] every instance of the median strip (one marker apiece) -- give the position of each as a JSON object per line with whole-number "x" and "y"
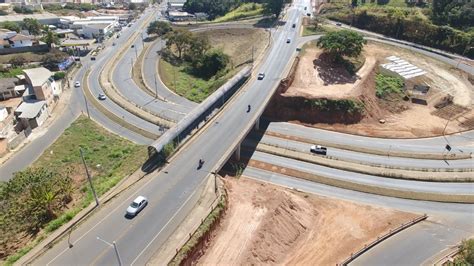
{"x": 345, "y": 184}
{"x": 394, "y": 153}
{"x": 367, "y": 169}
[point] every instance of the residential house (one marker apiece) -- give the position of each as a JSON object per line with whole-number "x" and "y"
{"x": 20, "y": 40}
{"x": 32, "y": 113}
{"x": 175, "y": 5}
{"x": 42, "y": 83}
{"x": 7, "y": 88}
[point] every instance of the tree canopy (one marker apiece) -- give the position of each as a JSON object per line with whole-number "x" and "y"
{"x": 342, "y": 43}
{"x": 32, "y": 26}
{"x": 159, "y": 28}
{"x": 456, "y": 13}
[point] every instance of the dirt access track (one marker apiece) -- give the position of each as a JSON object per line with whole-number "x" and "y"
{"x": 267, "y": 224}
{"x": 403, "y": 119}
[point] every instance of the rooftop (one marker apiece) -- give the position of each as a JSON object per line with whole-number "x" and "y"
{"x": 30, "y": 109}
{"x": 98, "y": 26}
{"x": 7, "y": 83}
{"x": 38, "y": 76}
{"x": 20, "y": 37}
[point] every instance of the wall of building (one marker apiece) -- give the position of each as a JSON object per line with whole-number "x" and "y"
{"x": 36, "y": 48}
{"x": 22, "y": 43}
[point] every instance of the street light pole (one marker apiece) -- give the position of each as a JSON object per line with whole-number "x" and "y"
{"x": 89, "y": 178}
{"x": 117, "y": 254}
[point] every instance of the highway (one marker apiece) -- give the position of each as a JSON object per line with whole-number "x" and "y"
{"x": 367, "y": 158}
{"x": 461, "y": 142}
{"x": 170, "y": 189}
{"x": 447, "y": 224}
{"x": 457, "y": 188}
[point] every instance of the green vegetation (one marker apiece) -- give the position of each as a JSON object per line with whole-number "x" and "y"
{"x": 50, "y": 38}
{"x": 40, "y": 199}
{"x": 344, "y": 105}
{"x": 386, "y": 85}
{"x": 448, "y": 25}
{"x": 243, "y": 11}
{"x": 10, "y": 25}
{"x": 196, "y": 89}
{"x": 218, "y": 8}
{"x": 11, "y": 73}
{"x": 466, "y": 256}
{"x": 59, "y": 75}
{"x": 159, "y": 28}
{"x": 200, "y": 232}
{"x": 190, "y": 67}
{"x": 23, "y": 10}
{"x": 342, "y": 43}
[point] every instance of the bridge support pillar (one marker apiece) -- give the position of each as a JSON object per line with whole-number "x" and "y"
{"x": 237, "y": 153}
{"x": 257, "y": 123}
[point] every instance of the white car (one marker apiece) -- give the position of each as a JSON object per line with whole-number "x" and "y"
{"x": 136, "y": 206}
{"x": 77, "y": 84}
{"x": 101, "y": 97}
{"x": 318, "y": 149}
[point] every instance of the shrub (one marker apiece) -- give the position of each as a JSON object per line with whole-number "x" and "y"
{"x": 59, "y": 75}
{"x": 385, "y": 85}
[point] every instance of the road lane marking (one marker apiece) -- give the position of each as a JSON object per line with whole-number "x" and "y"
{"x": 87, "y": 232}
{"x": 166, "y": 225}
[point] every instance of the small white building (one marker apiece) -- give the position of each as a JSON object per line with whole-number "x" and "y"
{"x": 180, "y": 16}
{"x": 97, "y": 31}
{"x": 32, "y": 113}
{"x": 20, "y": 40}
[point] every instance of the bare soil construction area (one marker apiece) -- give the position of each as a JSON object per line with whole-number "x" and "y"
{"x": 381, "y": 118}
{"x": 238, "y": 42}
{"x": 267, "y": 224}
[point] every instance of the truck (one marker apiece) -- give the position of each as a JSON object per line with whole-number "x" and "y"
{"x": 318, "y": 149}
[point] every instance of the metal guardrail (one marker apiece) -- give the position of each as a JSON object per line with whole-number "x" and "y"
{"x": 379, "y": 239}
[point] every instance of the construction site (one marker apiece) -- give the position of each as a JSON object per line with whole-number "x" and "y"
{"x": 436, "y": 99}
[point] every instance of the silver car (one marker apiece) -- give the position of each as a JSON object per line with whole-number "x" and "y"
{"x": 137, "y": 205}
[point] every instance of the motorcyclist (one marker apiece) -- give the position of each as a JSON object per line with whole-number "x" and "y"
{"x": 248, "y": 108}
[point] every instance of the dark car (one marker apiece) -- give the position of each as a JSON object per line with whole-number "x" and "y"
{"x": 261, "y": 76}
{"x": 93, "y": 58}
{"x": 318, "y": 149}
{"x": 294, "y": 25}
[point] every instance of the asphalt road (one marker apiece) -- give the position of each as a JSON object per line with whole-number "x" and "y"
{"x": 368, "y": 180}
{"x": 447, "y": 224}
{"x": 460, "y": 143}
{"x": 169, "y": 190}
{"x": 367, "y": 158}
{"x": 28, "y": 154}
{"x": 122, "y": 78}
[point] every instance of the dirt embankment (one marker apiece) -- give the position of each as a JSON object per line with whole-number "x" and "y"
{"x": 314, "y": 81}
{"x": 266, "y": 224}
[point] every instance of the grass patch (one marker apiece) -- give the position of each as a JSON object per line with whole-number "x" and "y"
{"x": 11, "y": 73}
{"x": 345, "y": 105}
{"x": 386, "y": 85}
{"x": 184, "y": 84}
{"x": 243, "y": 11}
{"x": 200, "y": 232}
{"x": 110, "y": 158}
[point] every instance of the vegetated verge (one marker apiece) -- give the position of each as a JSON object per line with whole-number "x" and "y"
{"x": 446, "y": 25}
{"x": 243, "y": 11}
{"x": 195, "y": 65}
{"x": 54, "y": 189}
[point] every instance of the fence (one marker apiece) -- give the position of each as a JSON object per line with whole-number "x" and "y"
{"x": 36, "y": 48}
{"x": 379, "y": 239}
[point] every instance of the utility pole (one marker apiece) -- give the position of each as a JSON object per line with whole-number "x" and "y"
{"x": 252, "y": 53}
{"x": 89, "y": 177}
{"x": 114, "y": 245}
{"x": 156, "y": 87}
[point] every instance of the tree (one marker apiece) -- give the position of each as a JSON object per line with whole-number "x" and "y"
{"x": 213, "y": 62}
{"x": 17, "y": 61}
{"x": 199, "y": 46}
{"x": 273, "y": 7}
{"x": 159, "y": 28}
{"x": 32, "y": 26}
{"x": 181, "y": 39}
{"x": 132, "y": 6}
{"x": 342, "y": 43}
{"x": 9, "y": 25}
{"x": 52, "y": 60}
{"x": 50, "y": 38}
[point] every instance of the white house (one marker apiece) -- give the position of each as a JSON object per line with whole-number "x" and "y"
{"x": 32, "y": 113}
{"x": 20, "y": 40}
